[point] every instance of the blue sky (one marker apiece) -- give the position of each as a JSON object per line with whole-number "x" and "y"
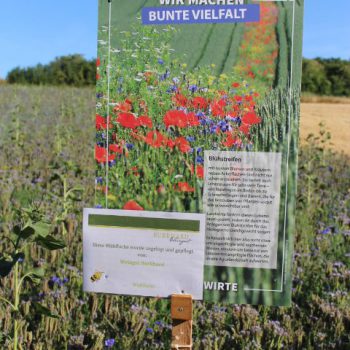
{"x": 36, "y": 31}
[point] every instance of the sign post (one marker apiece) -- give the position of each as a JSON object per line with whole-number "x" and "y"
{"x": 181, "y": 315}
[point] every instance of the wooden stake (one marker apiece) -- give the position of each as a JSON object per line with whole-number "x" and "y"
{"x": 181, "y": 314}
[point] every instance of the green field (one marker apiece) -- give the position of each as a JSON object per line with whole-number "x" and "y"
{"x": 47, "y": 132}
{"x": 208, "y": 44}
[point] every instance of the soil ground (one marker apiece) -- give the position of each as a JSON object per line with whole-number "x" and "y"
{"x": 335, "y": 116}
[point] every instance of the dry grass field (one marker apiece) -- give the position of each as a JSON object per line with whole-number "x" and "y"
{"x": 335, "y": 116}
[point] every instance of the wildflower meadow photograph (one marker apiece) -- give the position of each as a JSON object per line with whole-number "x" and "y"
{"x": 142, "y": 142}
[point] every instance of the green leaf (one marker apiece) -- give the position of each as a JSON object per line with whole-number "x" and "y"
{"x": 27, "y": 232}
{"x": 42, "y": 228}
{"x": 50, "y": 242}
{"x": 36, "y": 274}
{"x": 7, "y": 265}
{"x": 17, "y": 230}
{"x": 43, "y": 310}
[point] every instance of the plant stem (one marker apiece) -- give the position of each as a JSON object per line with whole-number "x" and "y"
{"x": 7, "y": 302}
{"x": 16, "y": 291}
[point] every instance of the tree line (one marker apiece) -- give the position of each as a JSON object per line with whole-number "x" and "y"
{"x": 320, "y": 76}
{"x": 73, "y": 70}
{"x": 329, "y": 77}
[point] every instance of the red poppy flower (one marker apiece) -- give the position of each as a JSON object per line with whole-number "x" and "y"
{"x": 175, "y": 118}
{"x": 182, "y": 144}
{"x": 145, "y": 121}
{"x": 244, "y": 128}
{"x": 171, "y": 143}
{"x": 128, "y": 120}
{"x": 199, "y": 103}
{"x": 116, "y": 148}
{"x": 125, "y": 106}
{"x": 180, "y": 100}
{"x": 238, "y": 98}
{"x": 251, "y": 118}
{"x": 180, "y": 119}
{"x": 192, "y": 119}
{"x": 217, "y": 108}
{"x": 199, "y": 171}
{"x": 132, "y": 205}
{"x": 184, "y": 187}
{"x": 156, "y": 139}
{"x": 231, "y": 141}
{"x": 101, "y": 155}
{"x": 251, "y": 75}
{"x": 235, "y": 85}
{"x": 101, "y": 122}
{"x": 98, "y": 76}
{"x": 98, "y": 62}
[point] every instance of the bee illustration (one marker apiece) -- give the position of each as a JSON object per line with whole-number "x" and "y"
{"x": 96, "y": 276}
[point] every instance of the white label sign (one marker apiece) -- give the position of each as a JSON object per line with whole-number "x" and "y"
{"x": 241, "y": 201}
{"x": 143, "y": 253}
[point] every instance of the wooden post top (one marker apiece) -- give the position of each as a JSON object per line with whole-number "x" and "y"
{"x": 181, "y": 307}
{"x": 181, "y": 314}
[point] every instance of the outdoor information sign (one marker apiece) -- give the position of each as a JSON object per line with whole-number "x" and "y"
{"x": 197, "y": 114}
{"x": 148, "y": 253}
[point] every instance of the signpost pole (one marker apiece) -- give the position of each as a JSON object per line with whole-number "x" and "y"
{"x": 181, "y": 315}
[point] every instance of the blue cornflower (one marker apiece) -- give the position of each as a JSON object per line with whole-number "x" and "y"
{"x": 171, "y": 89}
{"x": 213, "y": 129}
{"x": 55, "y": 279}
{"x": 199, "y": 150}
{"x": 99, "y": 180}
{"x": 223, "y": 126}
{"x": 193, "y": 88}
{"x": 98, "y": 206}
{"x": 176, "y": 80}
{"x": 232, "y": 119}
{"x": 160, "y": 61}
{"x": 129, "y": 146}
{"x": 99, "y": 95}
{"x": 149, "y": 330}
{"x": 326, "y": 231}
{"x": 164, "y": 76}
{"x": 190, "y": 138}
{"x": 200, "y": 160}
{"x": 109, "y": 342}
